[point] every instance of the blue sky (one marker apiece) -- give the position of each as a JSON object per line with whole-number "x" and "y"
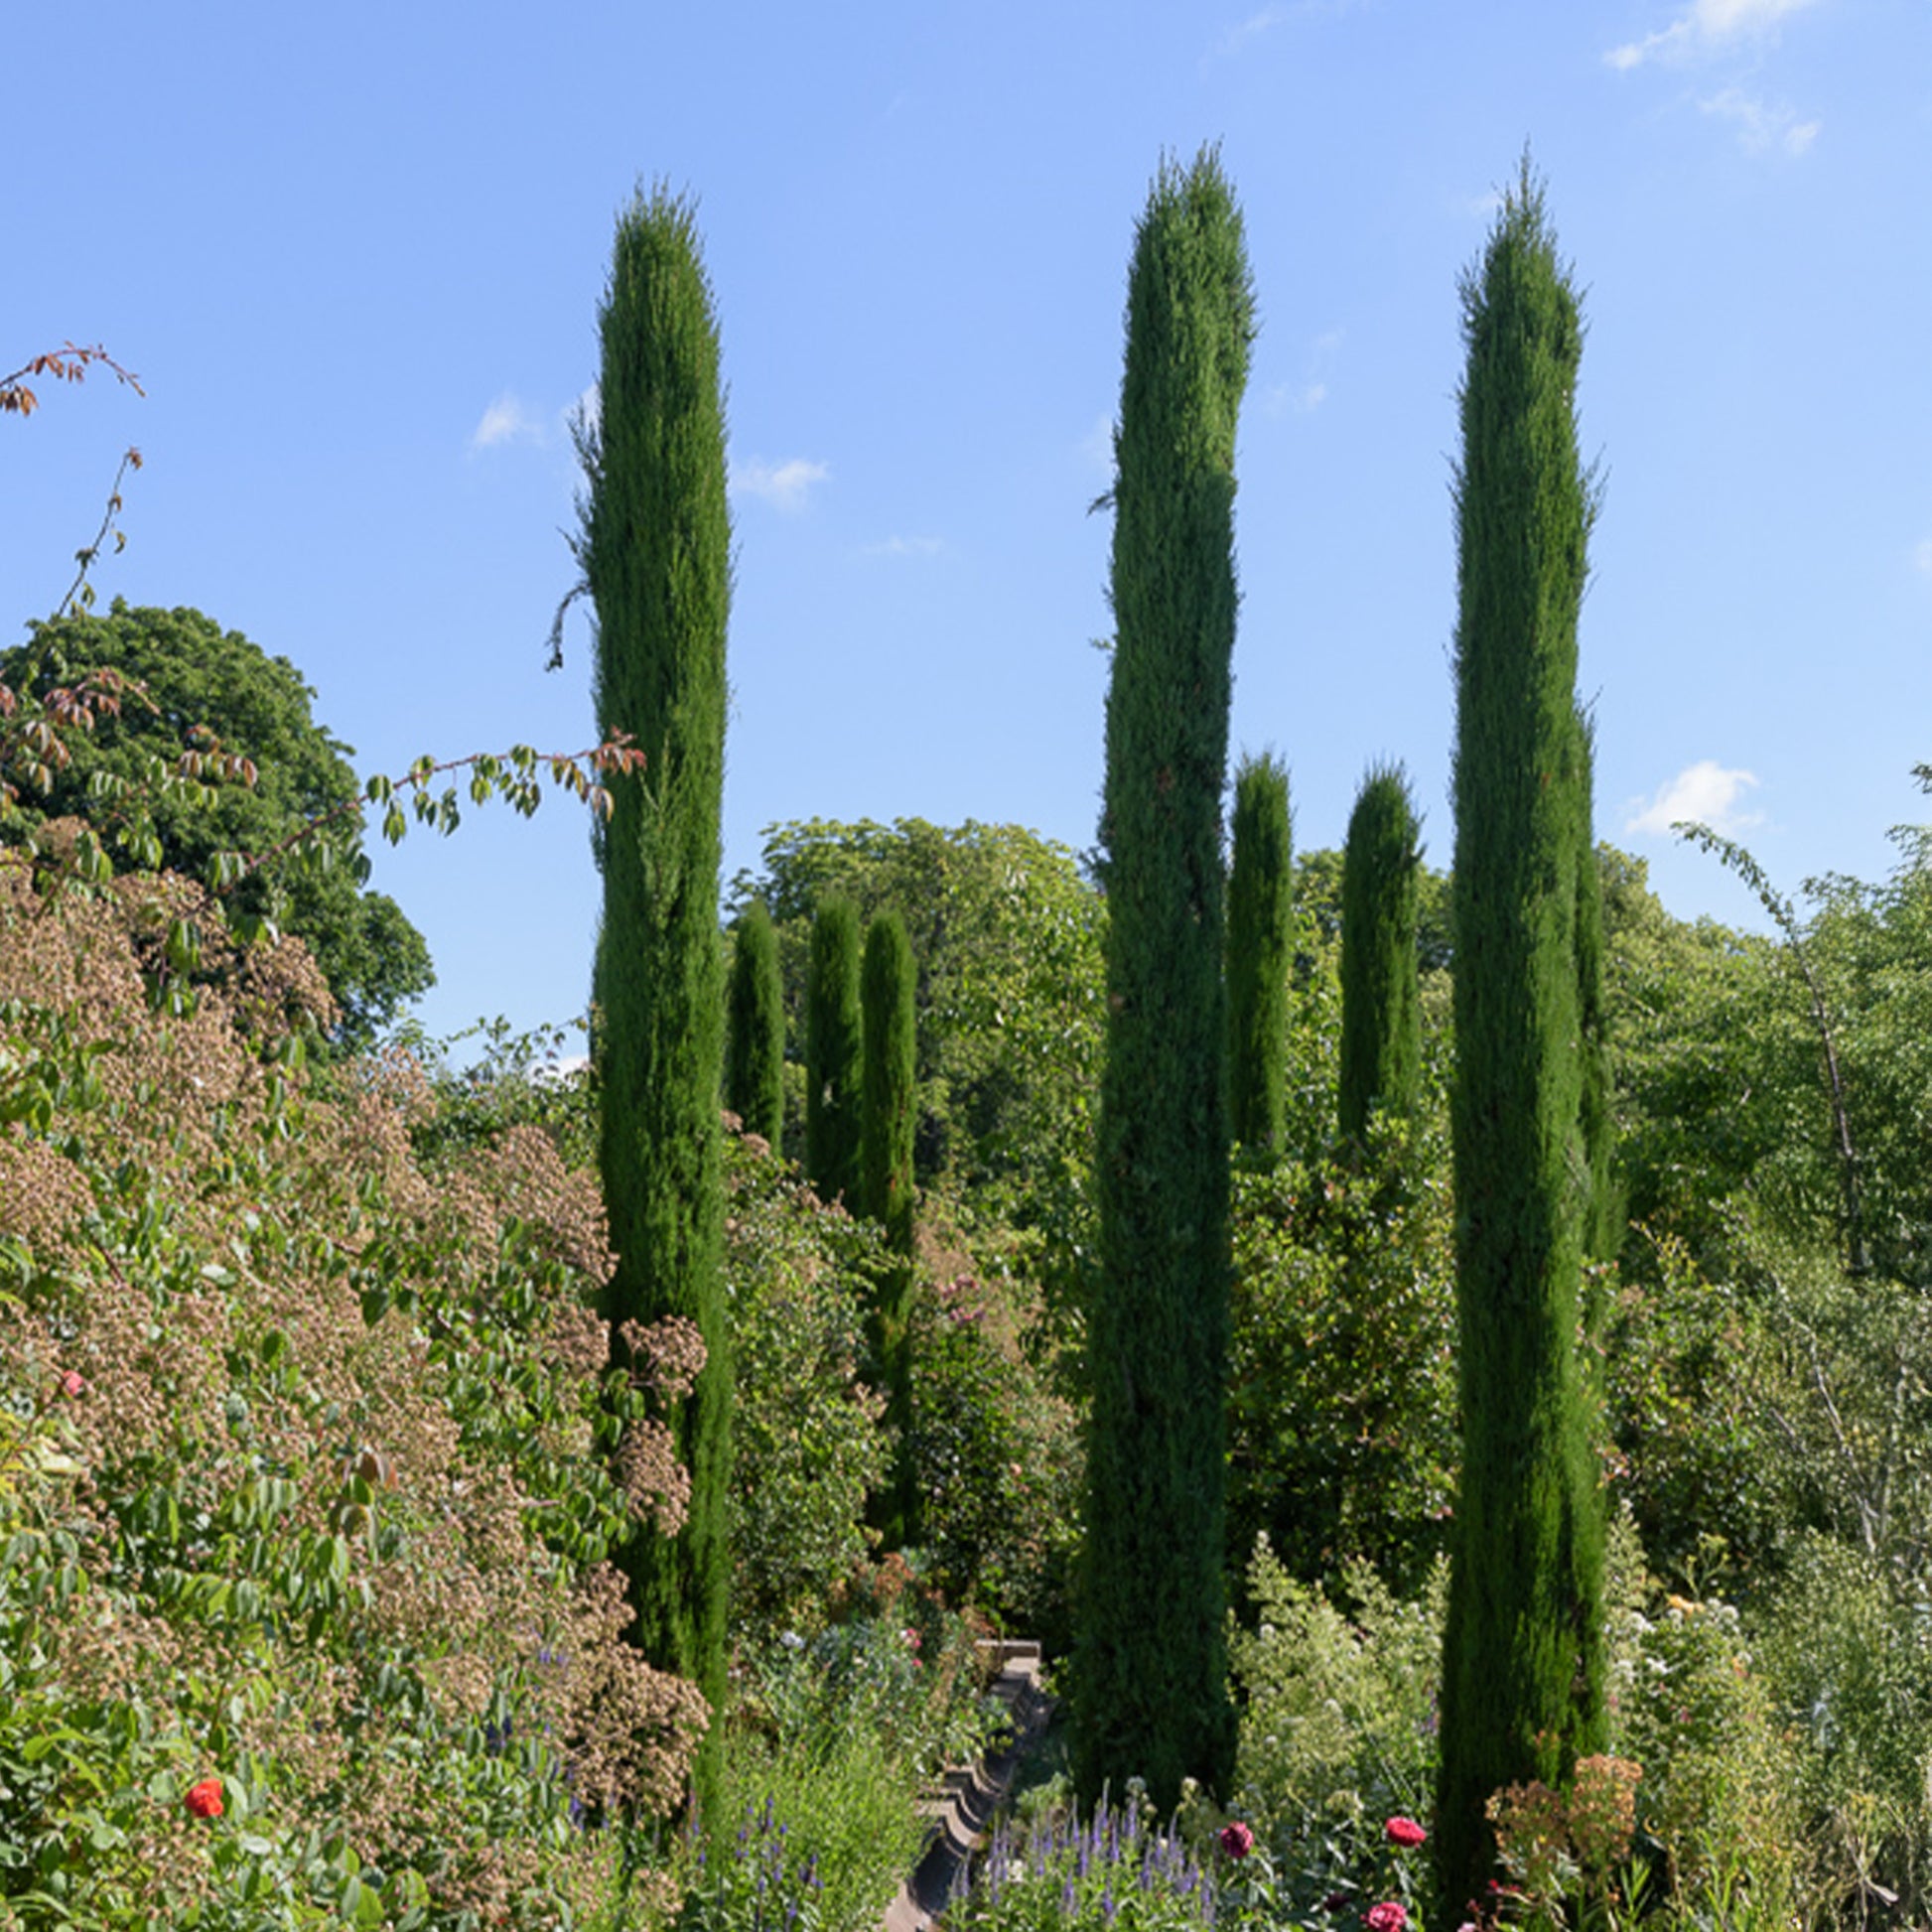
{"x": 354, "y": 256}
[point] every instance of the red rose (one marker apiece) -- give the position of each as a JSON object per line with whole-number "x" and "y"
{"x": 1236, "y": 1840}
{"x": 1405, "y": 1832}
{"x": 205, "y": 1799}
{"x": 1386, "y": 1917}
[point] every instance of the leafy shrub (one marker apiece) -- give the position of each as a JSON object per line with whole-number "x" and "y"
{"x": 1342, "y": 1407}
{"x": 806, "y": 1442}
{"x": 1339, "y": 1720}
{"x": 996, "y": 1459}
{"x": 831, "y": 1741}
{"x": 308, "y": 1492}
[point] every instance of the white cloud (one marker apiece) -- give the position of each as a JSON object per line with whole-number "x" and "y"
{"x": 505, "y": 421}
{"x": 1236, "y": 38}
{"x": 1708, "y": 27}
{"x": 784, "y": 485}
{"x": 1761, "y": 125}
{"x": 1704, "y": 792}
{"x": 1311, "y": 391}
{"x": 1922, "y": 555}
{"x": 1302, "y": 398}
{"x": 1097, "y": 446}
{"x": 905, "y": 547}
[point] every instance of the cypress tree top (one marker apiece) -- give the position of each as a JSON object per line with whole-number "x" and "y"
{"x": 1381, "y": 1001}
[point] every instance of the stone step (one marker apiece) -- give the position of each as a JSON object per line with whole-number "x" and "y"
{"x": 962, "y": 1805}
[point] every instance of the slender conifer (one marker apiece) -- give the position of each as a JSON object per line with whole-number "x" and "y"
{"x": 1381, "y": 1001}
{"x": 890, "y": 1114}
{"x": 1150, "y": 1685}
{"x": 655, "y": 547}
{"x": 755, "y": 1059}
{"x": 1523, "y": 1654}
{"x": 833, "y": 1053}
{"x": 1260, "y": 945}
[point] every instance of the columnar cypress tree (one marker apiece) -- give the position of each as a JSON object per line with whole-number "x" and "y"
{"x": 888, "y": 1116}
{"x": 755, "y": 1061}
{"x": 1260, "y": 945}
{"x": 655, "y": 547}
{"x": 1149, "y": 1684}
{"x": 833, "y": 1053}
{"x": 1523, "y": 1652}
{"x": 1381, "y": 1001}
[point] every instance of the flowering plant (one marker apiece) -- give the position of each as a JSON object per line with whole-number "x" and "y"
{"x": 1386, "y": 1917}
{"x": 1236, "y": 1840}
{"x": 205, "y": 1799}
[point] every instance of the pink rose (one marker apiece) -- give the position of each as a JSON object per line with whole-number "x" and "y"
{"x": 1405, "y": 1832}
{"x": 1236, "y": 1840}
{"x": 73, "y": 1382}
{"x": 1386, "y": 1917}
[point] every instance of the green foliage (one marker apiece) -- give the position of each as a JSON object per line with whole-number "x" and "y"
{"x": 306, "y": 1500}
{"x": 1150, "y": 1691}
{"x": 1061, "y": 1873}
{"x": 1338, "y": 1707}
{"x": 889, "y": 1102}
{"x": 994, "y": 1452}
{"x": 1007, "y": 936}
{"x": 218, "y": 698}
{"x": 1522, "y": 1694}
{"x": 655, "y": 548}
{"x": 1342, "y": 1441}
{"x": 832, "y": 1737}
{"x": 834, "y": 1052}
{"x": 1260, "y": 881}
{"x": 1381, "y": 994}
{"x": 755, "y": 1050}
{"x": 806, "y": 1446}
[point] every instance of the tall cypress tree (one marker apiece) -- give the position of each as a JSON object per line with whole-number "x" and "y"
{"x": 1381, "y": 999}
{"x": 888, "y": 1115}
{"x": 1523, "y": 1652}
{"x": 833, "y": 1054}
{"x": 655, "y": 547}
{"x": 755, "y": 1059}
{"x": 1150, "y": 1671}
{"x": 1260, "y": 945}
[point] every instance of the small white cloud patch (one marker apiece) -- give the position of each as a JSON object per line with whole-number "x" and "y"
{"x": 905, "y": 547}
{"x": 784, "y": 485}
{"x": 1708, "y": 27}
{"x": 1922, "y": 556}
{"x": 1761, "y": 125}
{"x": 505, "y": 421}
{"x": 1706, "y": 792}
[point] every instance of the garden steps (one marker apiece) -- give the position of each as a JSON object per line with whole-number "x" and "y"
{"x": 968, "y": 1795}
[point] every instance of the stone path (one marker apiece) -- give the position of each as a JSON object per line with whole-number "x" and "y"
{"x": 970, "y": 1795}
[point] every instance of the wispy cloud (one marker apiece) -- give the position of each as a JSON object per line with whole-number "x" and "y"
{"x": 784, "y": 485}
{"x": 1307, "y": 395}
{"x": 1243, "y": 34}
{"x": 506, "y": 420}
{"x": 1922, "y": 556}
{"x": 1763, "y": 126}
{"x": 1704, "y": 792}
{"x": 1708, "y": 27}
{"x": 1097, "y": 446}
{"x": 1237, "y": 36}
{"x": 905, "y": 547}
